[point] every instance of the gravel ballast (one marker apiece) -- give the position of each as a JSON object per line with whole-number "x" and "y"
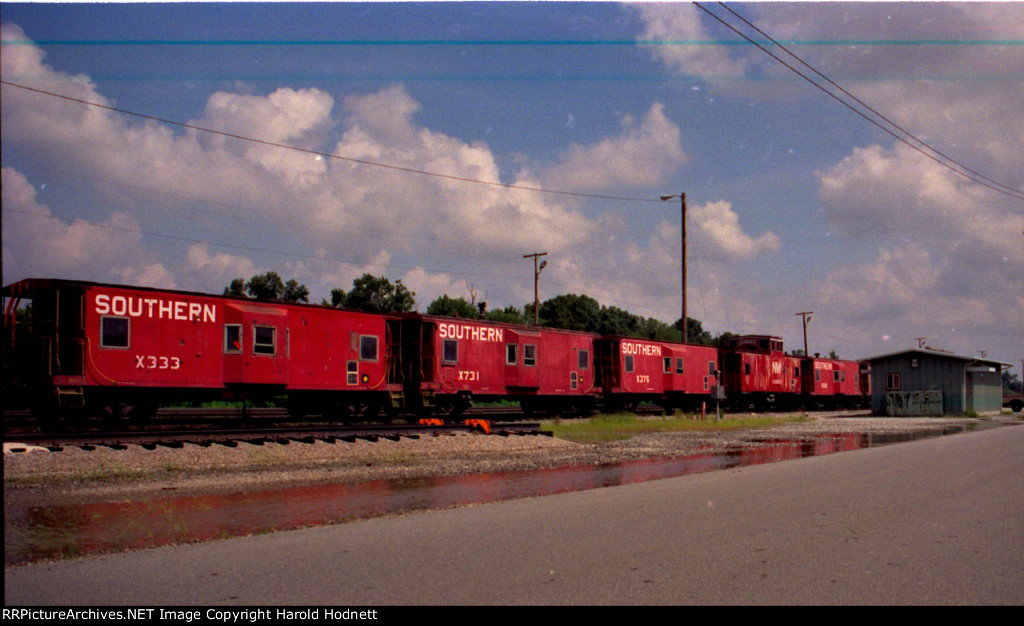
{"x": 73, "y": 476}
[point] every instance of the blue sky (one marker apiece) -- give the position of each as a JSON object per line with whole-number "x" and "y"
{"x": 795, "y": 203}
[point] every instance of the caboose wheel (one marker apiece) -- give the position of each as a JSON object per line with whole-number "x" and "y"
{"x": 110, "y": 414}
{"x": 371, "y": 410}
{"x": 298, "y": 412}
{"x": 140, "y": 414}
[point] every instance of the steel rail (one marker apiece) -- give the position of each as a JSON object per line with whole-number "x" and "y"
{"x": 260, "y": 436}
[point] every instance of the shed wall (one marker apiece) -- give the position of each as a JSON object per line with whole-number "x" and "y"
{"x": 984, "y": 390}
{"x": 931, "y": 374}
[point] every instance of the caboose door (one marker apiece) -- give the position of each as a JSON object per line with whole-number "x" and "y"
{"x": 256, "y": 345}
{"x": 521, "y": 355}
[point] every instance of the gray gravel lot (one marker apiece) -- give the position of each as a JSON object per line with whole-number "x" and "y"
{"x": 77, "y": 476}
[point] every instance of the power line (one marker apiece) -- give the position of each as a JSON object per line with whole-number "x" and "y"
{"x": 260, "y": 217}
{"x": 327, "y": 155}
{"x": 609, "y": 300}
{"x": 245, "y": 248}
{"x": 868, "y": 107}
{"x": 952, "y": 164}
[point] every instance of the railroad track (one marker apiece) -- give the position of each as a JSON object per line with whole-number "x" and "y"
{"x": 231, "y": 437}
{"x": 20, "y": 422}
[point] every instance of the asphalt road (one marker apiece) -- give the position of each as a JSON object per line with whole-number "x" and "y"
{"x": 939, "y": 521}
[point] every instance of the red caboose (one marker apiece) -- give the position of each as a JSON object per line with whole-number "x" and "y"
{"x": 756, "y": 372}
{"x": 831, "y": 382}
{"x": 672, "y": 375}
{"x": 450, "y": 362}
{"x": 341, "y": 362}
{"x": 112, "y": 350}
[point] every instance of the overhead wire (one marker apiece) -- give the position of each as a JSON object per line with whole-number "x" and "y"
{"x": 328, "y": 155}
{"x": 941, "y": 159}
{"x": 921, "y": 147}
{"x": 907, "y": 133}
{"x": 306, "y": 151}
{"x": 139, "y": 231}
{"x": 609, "y": 300}
{"x": 226, "y": 210}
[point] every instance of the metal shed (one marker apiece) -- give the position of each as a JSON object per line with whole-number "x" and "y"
{"x": 928, "y": 381}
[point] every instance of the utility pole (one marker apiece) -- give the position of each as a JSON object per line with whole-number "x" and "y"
{"x": 805, "y": 315}
{"x": 682, "y": 224}
{"x": 536, "y": 277}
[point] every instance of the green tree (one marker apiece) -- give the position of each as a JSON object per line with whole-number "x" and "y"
{"x": 376, "y": 295}
{"x": 294, "y": 292}
{"x": 236, "y": 288}
{"x": 509, "y": 315}
{"x": 695, "y": 332}
{"x": 453, "y": 307}
{"x": 268, "y": 286}
{"x": 337, "y": 298}
{"x": 618, "y": 322}
{"x": 572, "y": 312}
{"x": 658, "y": 330}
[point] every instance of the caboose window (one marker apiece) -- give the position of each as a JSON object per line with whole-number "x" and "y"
{"x": 835, "y": 376}
{"x": 712, "y": 367}
{"x": 668, "y": 364}
{"x": 511, "y": 353}
{"x": 629, "y": 363}
{"x": 264, "y": 340}
{"x": 368, "y": 348}
{"x": 232, "y": 338}
{"x": 451, "y": 351}
{"x": 680, "y": 365}
{"x": 583, "y": 362}
{"x": 529, "y": 355}
{"x": 573, "y": 379}
{"x": 114, "y": 332}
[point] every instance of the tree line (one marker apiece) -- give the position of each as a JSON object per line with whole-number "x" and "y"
{"x": 568, "y": 311}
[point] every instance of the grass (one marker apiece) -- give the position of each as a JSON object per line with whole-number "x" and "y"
{"x": 625, "y": 425}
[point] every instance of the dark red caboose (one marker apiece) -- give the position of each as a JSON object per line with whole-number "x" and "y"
{"x": 113, "y": 350}
{"x": 757, "y": 373}
{"x": 450, "y": 362}
{"x": 671, "y": 375}
{"x": 831, "y": 382}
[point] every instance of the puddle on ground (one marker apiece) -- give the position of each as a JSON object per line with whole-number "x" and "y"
{"x": 68, "y": 531}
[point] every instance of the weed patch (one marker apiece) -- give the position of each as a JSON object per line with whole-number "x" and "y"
{"x": 626, "y": 425}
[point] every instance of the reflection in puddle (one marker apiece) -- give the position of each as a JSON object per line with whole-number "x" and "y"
{"x": 65, "y": 531}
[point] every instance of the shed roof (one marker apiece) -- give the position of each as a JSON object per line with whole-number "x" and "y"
{"x": 941, "y": 354}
